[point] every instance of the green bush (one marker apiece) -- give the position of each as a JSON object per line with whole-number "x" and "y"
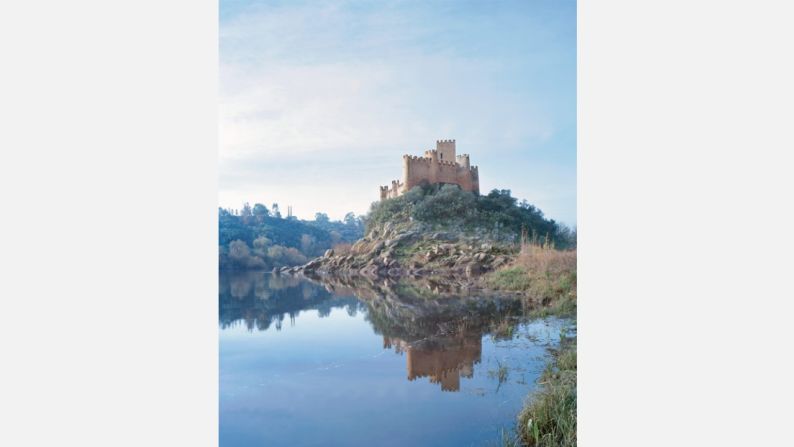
{"x": 253, "y": 238}
{"x": 498, "y": 213}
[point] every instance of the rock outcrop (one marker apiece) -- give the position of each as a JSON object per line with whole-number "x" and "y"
{"x": 393, "y": 251}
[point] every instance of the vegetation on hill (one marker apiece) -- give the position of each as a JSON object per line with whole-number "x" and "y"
{"x": 431, "y": 227}
{"x": 497, "y": 215}
{"x": 258, "y": 238}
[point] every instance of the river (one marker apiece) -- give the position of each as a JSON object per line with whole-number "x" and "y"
{"x": 356, "y": 362}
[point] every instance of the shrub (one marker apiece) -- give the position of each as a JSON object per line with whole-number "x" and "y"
{"x": 280, "y": 256}
{"x": 448, "y": 206}
{"x": 240, "y": 256}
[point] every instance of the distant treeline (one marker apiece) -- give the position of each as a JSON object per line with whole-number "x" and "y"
{"x": 497, "y": 214}
{"x": 260, "y": 238}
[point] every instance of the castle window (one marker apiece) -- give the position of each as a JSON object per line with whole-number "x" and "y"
{"x": 442, "y": 156}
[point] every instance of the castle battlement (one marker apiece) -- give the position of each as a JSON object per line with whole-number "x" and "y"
{"x": 437, "y": 166}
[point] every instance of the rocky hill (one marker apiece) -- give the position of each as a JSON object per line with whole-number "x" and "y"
{"x": 394, "y": 251}
{"x": 439, "y": 230}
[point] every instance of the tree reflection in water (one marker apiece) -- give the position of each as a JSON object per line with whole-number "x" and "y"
{"x": 438, "y": 325}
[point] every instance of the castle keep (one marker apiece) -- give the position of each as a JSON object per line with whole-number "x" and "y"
{"x": 439, "y": 165}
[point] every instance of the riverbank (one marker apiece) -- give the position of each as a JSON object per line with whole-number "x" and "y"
{"x": 547, "y": 279}
{"x": 548, "y": 418}
{"x": 399, "y": 260}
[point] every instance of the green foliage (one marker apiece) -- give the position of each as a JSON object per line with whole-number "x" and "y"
{"x": 280, "y": 256}
{"x": 254, "y": 238}
{"x": 512, "y": 278}
{"x": 240, "y": 257}
{"x": 549, "y": 419}
{"x": 349, "y": 230}
{"x": 498, "y": 213}
{"x": 449, "y": 203}
{"x": 260, "y": 210}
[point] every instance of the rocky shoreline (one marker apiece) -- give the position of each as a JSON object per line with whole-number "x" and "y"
{"x": 398, "y": 252}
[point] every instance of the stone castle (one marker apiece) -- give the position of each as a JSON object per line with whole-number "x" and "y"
{"x": 439, "y": 165}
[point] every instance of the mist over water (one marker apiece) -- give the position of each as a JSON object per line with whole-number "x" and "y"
{"x": 306, "y": 363}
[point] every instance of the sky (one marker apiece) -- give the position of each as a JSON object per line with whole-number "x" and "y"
{"x": 320, "y": 100}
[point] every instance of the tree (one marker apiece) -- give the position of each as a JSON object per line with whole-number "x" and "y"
{"x": 260, "y": 210}
{"x": 247, "y": 212}
{"x": 260, "y": 246}
{"x": 307, "y": 244}
{"x": 321, "y": 218}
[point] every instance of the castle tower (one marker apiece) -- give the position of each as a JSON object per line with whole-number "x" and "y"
{"x": 408, "y": 182}
{"x": 437, "y": 166}
{"x": 463, "y": 160}
{"x": 446, "y": 150}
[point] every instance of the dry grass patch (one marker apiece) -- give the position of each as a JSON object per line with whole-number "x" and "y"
{"x": 545, "y": 275}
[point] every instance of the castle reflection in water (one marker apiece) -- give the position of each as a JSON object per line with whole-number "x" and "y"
{"x": 444, "y": 361}
{"x": 440, "y": 338}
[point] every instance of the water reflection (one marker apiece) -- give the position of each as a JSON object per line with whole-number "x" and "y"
{"x": 350, "y": 356}
{"x": 443, "y": 360}
{"x": 440, "y": 340}
{"x": 259, "y": 300}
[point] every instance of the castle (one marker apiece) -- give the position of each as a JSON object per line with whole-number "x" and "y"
{"x": 439, "y": 165}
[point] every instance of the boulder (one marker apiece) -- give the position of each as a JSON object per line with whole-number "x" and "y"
{"x": 473, "y": 269}
{"x": 378, "y": 247}
{"x": 311, "y": 266}
{"x": 446, "y": 248}
{"x": 329, "y": 252}
{"x": 442, "y": 236}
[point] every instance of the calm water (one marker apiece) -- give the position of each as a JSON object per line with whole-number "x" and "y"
{"x": 363, "y": 364}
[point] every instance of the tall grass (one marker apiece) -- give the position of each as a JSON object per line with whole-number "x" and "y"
{"x": 549, "y": 418}
{"x": 546, "y": 276}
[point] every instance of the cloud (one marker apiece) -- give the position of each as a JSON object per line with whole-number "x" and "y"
{"x": 353, "y": 86}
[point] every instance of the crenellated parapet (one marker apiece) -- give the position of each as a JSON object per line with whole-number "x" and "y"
{"x": 439, "y": 165}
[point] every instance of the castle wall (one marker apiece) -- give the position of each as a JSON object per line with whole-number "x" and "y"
{"x": 440, "y": 165}
{"x": 430, "y": 169}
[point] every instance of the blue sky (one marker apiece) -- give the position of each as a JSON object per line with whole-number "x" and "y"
{"x": 320, "y": 100}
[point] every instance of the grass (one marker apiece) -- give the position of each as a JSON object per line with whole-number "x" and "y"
{"x": 500, "y": 374}
{"x": 549, "y": 418}
{"x": 504, "y": 329}
{"x": 510, "y": 278}
{"x": 546, "y": 276}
